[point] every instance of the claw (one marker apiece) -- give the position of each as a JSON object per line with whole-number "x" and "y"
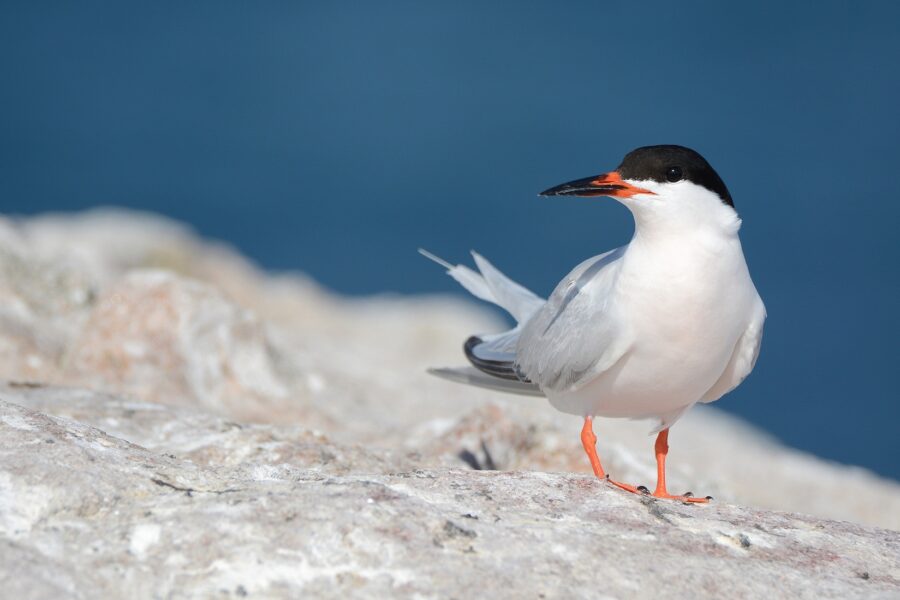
{"x": 643, "y": 489}
{"x": 688, "y": 494}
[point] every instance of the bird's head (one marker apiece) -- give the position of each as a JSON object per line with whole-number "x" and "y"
{"x": 660, "y": 184}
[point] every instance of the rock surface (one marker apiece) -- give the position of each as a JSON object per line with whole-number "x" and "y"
{"x": 178, "y": 424}
{"x": 219, "y": 508}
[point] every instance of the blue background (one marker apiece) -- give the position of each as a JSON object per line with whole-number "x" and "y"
{"x": 335, "y": 138}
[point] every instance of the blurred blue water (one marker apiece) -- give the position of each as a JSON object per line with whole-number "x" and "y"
{"x": 337, "y": 137}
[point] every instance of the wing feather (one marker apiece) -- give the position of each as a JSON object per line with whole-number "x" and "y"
{"x": 743, "y": 359}
{"x": 473, "y": 376}
{"x": 575, "y": 336}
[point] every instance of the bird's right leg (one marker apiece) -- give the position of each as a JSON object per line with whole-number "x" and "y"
{"x": 589, "y": 441}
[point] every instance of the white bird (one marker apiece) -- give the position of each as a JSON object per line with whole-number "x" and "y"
{"x": 643, "y": 331}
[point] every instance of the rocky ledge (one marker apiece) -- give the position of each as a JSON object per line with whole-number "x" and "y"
{"x": 176, "y": 423}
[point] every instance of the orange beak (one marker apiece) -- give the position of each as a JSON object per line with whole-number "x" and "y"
{"x": 609, "y": 184}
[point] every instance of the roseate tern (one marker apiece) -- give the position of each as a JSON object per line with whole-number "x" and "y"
{"x": 643, "y": 331}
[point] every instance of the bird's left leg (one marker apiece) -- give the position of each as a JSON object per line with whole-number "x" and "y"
{"x": 662, "y": 449}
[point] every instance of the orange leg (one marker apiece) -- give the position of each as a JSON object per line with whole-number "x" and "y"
{"x": 662, "y": 449}
{"x": 589, "y": 441}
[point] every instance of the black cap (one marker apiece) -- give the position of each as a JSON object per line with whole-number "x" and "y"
{"x": 673, "y": 163}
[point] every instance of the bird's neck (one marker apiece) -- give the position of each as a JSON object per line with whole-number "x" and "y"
{"x": 704, "y": 225}
{"x": 692, "y": 241}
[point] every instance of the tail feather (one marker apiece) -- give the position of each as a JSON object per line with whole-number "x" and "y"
{"x": 492, "y": 286}
{"x": 519, "y": 301}
{"x": 493, "y": 356}
{"x": 466, "y": 277}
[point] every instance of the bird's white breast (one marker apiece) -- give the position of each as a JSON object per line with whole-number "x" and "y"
{"x": 685, "y": 302}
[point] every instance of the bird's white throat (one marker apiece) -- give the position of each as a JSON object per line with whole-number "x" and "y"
{"x": 682, "y": 209}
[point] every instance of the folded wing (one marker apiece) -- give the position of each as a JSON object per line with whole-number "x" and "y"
{"x": 743, "y": 359}
{"x": 575, "y": 336}
{"x": 558, "y": 344}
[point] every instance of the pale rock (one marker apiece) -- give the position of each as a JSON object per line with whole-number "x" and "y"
{"x": 43, "y": 301}
{"x": 161, "y": 337}
{"x": 119, "y": 520}
{"x": 179, "y": 423}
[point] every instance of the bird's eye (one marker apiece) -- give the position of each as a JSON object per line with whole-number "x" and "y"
{"x": 673, "y": 174}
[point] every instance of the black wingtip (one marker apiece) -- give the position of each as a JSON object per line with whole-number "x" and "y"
{"x": 495, "y": 368}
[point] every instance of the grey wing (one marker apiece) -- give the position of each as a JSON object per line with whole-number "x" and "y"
{"x": 479, "y": 378}
{"x": 575, "y": 336}
{"x": 493, "y": 365}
